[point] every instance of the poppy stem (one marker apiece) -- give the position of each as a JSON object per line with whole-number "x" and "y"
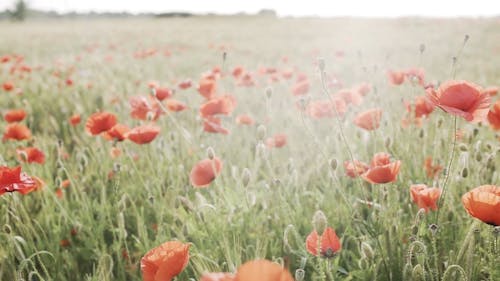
{"x": 341, "y": 129}
{"x": 448, "y": 171}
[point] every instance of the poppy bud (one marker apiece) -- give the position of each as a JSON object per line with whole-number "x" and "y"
{"x": 333, "y": 164}
{"x": 421, "y": 134}
{"x": 245, "y": 177}
{"x": 319, "y": 222}
{"x": 150, "y": 116}
{"x": 388, "y": 142}
{"x": 299, "y": 274}
{"x": 210, "y": 153}
{"x": 488, "y": 146}
{"x": 321, "y": 64}
{"x": 462, "y": 147}
{"x": 465, "y": 172}
{"x": 418, "y": 273}
{"x": 422, "y": 48}
{"x": 276, "y": 182}
{"x": 439, "y": 122}
{"x": 116, "y": 167}
{"x": 224, "y": 56}
{"x": 466, "y": 38}
{"x": 367, "y": 250}
{"x": 475, "y": 131}
{"x": 479, "y": 156}
{"x": 269, "y": 92}
{"x": 261, "y": 132}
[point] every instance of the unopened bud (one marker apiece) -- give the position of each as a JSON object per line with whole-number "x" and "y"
{"x": 367, "y": 250}
{"x": 210, "y": 153}
{"x": 261, "y": 132}
{"x": 321, "y": 64}
{"x": 422, "y": 48}
{"x": 462, "y": 147}
{"x": 388, "y": 142}
{"x": 319, "y": 222}
{"x": 245, "y": 177}
{"x": 333, "y": 164}
{"x": 465, "y": 172}
{"x": 269, "y": 92}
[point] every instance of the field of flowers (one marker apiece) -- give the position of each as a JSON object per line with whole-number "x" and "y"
{"x": 245, "y": 148}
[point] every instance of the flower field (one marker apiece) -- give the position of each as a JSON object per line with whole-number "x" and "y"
{"x": 250, "y": 148}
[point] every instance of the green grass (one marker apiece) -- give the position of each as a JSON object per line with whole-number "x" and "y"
{"x": 228, "y": 223}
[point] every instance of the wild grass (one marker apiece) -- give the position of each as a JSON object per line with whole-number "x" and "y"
{"x": 150, "y": 200}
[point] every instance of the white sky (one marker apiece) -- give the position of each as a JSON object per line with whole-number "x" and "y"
{"x": 376, "y": 8}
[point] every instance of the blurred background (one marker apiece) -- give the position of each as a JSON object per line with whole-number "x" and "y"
{"x": 22, "y": 9}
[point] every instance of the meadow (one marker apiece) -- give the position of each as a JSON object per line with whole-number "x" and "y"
{"x": 244, "y": 137}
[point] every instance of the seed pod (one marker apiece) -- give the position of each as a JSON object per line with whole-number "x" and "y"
{"x": 299, "y": 274}
{"x": 465, "y": 172}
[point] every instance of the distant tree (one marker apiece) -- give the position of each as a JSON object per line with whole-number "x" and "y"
{"x": 20, "y": 11}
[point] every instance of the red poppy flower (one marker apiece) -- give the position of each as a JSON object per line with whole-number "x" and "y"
{"x": 382, "y": 170}
{"x": 494, "y": 116}
{"x": 415, "y": 73}
{"x": 278, "y": 140}
{"x": 483, "y": 203}
{"x": 205, "y": 171}
{"x": 350, "y": 96}
{"x": 14, "y": 115}
{"x": 301, "y": 88}
{"x": 363, "y": 88}
{"x": 16, "y": 131}
{"x": 369, "y": 120}
{"x": 12, "y": 179}
{"x": 425, "y": 197}
{"x": 212, "y": 124}
{"x": 356, "y": 169}
{"x": 140, "y": 108}
{"x": 75, "y": 119}
{"x": 8, "y": 86}
{"x": 186, "y": 84}
{"x": 165, "y": 262}
{"x": 207, "y": 88}
{"x": 217, "y": 276}
{"x": 326, "y": 108}
{"x": 422, "y": 107}
{"x": 100, "y": 122}
{"x": 262, "y": 270}
{"x": 396, "y": 77}
{"x": 163, "y": 93}
{"x": 431, "y": 170}
{"x": 461, "y": 98}
{"x": 219, "y": 105}
{"x": 330, "y": 243}
{"x": 143, "y": 134}
{"x": 30, "y": 155}
{"x": 118, "y": 132}
{"x": 237, "y": 71}
{"x": 244, "y": 119}
{"x": 175, "y": 105}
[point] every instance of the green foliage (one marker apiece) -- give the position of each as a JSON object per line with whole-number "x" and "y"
{"x": 102, "y": 226}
